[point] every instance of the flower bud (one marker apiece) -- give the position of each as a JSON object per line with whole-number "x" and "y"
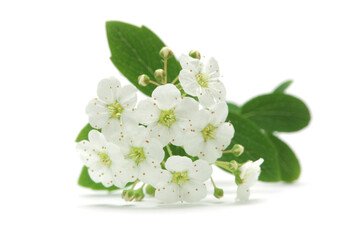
{"x": 237, "y": 150}
{"x": 233, "y": 165}
{"x": 159, "y": 74}
{"x": 238, "y": 180}
{"x": 166, "y": 53}
{"x": 194, "y": 54}
{"x": 143, "y": 80}
{"x": 139, "y": 195}
{"x": 150, "y": 190}
{"x": 128, "y": 195}
{"x": 218, "y": 193}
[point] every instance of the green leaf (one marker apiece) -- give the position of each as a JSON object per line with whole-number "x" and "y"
{"x": 288, "y": 162}
{"x": 233, "y": 107}
{"x": 177, "y": 151}
{"x": 277, "y": 112}
{"x": 257, "y": 145}
{"x": 85, "y": 181}
{"x": 83, "y": 135}
{"x": 281, "y": 88}
{"x": 135, "y": 51}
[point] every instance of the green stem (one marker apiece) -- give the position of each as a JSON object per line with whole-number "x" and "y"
{"x": 135, "y": 183}
{"x": 169, "y": 150}
{"x": 176, "y": 79}
{"x": 224, "y": 165}
{"x": 154, "y": 83}
{"x": 165, "y": 71}
{"x": 212, "y": 181}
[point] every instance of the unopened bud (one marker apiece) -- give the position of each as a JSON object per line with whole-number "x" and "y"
{"x": 233, "y": 165}
{"x": 143, "y": 80}
{"x": 194, "y": 54}
{"x": 128, "y": 195}
{"x": 150, "y": 190}
{"x": 159, "y": 74}
{"x": 237, "y": 150}
{"x": 166, "y": 53}
{"x": 139, "y": 195}
{"x": 238, "y": 180}
{"x": 218, "y": 193}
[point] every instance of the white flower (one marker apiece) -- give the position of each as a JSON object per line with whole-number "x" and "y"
{"x": 209, "y": 134}
{"x": 183, "y": 180}
{"x": 202, "y": 80}
{"x": 250, "y": 171}
{"x": 166, "y": 114}
{"x": 115, "y": 103}
{"x": 142, "y": 154}
{"x": 104, "y": 160}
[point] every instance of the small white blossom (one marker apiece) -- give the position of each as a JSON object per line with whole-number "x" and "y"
{"x": 209, "y": 134}
{"x": 202, "y": 80}
{"x": 166, "y": 114}
{"x": 104, "y": 160}
{"x": 142, "y": 154}
{"x": 250, "y": 171}
{"x": 115, "y": 103}
{"x": 183, "y": 180}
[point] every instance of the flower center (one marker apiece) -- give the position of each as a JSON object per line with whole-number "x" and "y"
{"x": 137, "y": 154}
{"x": 167, "y": 117}
{"x": 180, "y": 177}
{"x": 209, "y": 132}
{"x": 105, "y": 159}
{"x": 202, "y": 80}
{"x": 115, "y": 110}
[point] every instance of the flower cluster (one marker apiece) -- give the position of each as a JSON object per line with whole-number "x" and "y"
{"x": 169, "y": 141}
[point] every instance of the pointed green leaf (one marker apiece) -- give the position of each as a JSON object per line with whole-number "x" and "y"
{"x": 288, "y": 162}
{"x": 135, "y": 51}
{"x": 83, "y": 135}
{"x": 277, "y": 112}
{"x": 233, "y": 107}
{"x": 282, "y": 88}
{"x": 257, "y": 145}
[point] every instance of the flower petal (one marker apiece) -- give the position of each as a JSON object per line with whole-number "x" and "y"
{"x": 190, "y": 63}
{"x": 177, "y": 132}
{"x": 206, "y": 98}
{"x": 210, "y": 152}
{"x": 200, "y": 171}
{"x": 218, "y": 90}
{"x": 151, "y": 174}
{"x": 154, "y": 150}
{"x": 97, "y": 139}
{"x": 178, "y": 164}
{"x": 189, "y": 82}
{"x": 193, "y": 191}
{"x": 219, "y": 113}
{"x": 86, "y": 152}
{"x": 186, "y": 107}
{"x": 167, "y": 192}
{"x": 114, "y": 132}
{"x": 199, "y": 120}
{"x": 127, "y": 96}
{"x": 212, "y": 67}
{"x": 147, "y": 111}
{"x": 224, "y": 134}
{"x": 159, "y": 132}
{"x": 166, "y": 96}
{"x": 243, "y": 193}
{"x": 193, "y": 143}
{"x": 108, "y": 89}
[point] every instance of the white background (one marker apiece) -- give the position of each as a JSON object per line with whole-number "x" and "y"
{"x": 52, "y": 55}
